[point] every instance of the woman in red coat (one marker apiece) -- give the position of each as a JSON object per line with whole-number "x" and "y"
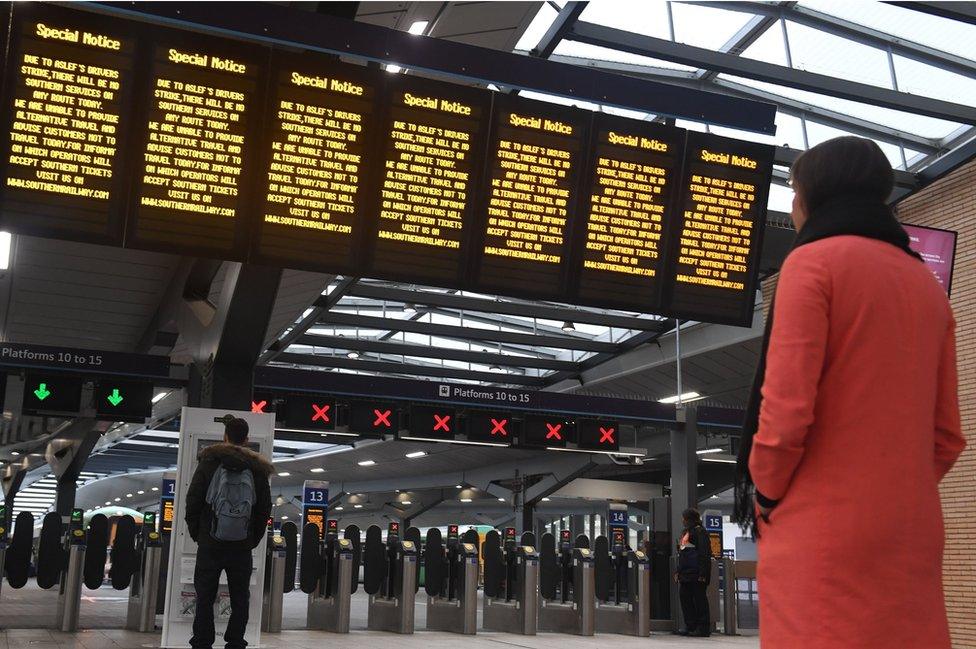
{"x": 854, "y": 421}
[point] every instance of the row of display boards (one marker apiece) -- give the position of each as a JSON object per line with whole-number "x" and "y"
{"x": 126, "y": 133}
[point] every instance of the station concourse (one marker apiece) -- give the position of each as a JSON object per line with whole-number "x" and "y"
{"x": 485, "y": 282}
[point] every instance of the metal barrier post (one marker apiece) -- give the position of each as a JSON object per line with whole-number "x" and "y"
{"x": 274, "y": 598}
{"x": 69, "y": 600}
{"x": 730, "y": 598}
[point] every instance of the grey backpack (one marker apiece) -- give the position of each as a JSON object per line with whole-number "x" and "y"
{"x": 231, "y": 496}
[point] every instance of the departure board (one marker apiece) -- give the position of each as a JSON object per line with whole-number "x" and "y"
{"x": 202, "y": 105}
{"x": 627, "y": 200}
{"x": 68, "y": 83}
{"x": 718, "y": 229}
{"x": 533, "y": 159}
{"x": 319, "y": 121}
{"x": 431, "y": 154}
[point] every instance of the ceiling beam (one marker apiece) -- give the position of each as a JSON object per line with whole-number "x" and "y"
{"x": 466, "y": 333}
{"x": 658, "y": 48}
{"x": 436, "y": 351}
{"x": 388, "y": 367}
{"x": 853, "y": 31}
{"x": 564, "y": 21}
{"x": 786, "y": 156}
{"x": 961, "y": 11}
{"x": 321, "y": 305}
{"x": 523, "y": 309}
{"x": 749, "y": 34}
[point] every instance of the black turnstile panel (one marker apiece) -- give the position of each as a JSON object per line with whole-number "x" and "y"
{"x": 353, "y": 534}
{"x": 310, "y": 563}
{"x": 602, "y": 569}
{"x": 548, "y": 566}
{"x": 50, "y": 555}
{"x": 290, "y": 533}
{"x": 17, "y": 562}
{"x": 471, "y": 536}
{"x": 124, "y": 562}
{"x": 96, "y": 552}
{"x": 374, "y": 560}
{"x": 582, "y": 541}
{"x": 494, "y": 564}
{"x": 434, "y": 563}
{"x": 527, "y": 538}
{"x": 413, "y": 534}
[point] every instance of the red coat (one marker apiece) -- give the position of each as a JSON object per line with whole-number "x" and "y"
{"x": 859, "y": 423}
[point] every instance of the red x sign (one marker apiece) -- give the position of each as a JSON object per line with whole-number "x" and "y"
{"x": 258, "y": 406}
{"x": 321, "y": 412}
{"x": 554, "y": 431}
{"x": 498, "y": 426}
{"x": 442, "y": 423}
{"x": 606, "y": 435}
{"x": 382, "y": 418}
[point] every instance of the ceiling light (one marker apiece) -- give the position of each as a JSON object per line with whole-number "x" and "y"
{"x": 155, "y": 488}
{"x": 393, "y": 69}
{"x": 317, "y": 469}
{"x": 117, "y": 499}
{"x": 569, "y": 326}
{"x": 5, "y": 241}
{"x": 501, "y": 500}
{"x": 15, "y": 453}
{"x": 418, "y": 27}
{"x": 701, "y": 484}
{"x": 405, "y": 502}
{"x": 719, "y": 460}
{"x": 465, "y": 500}
{"x": 492, "y": 86}
{"x": 108, "y": 502}
{"x": 705, "y": 451}
{"x": 128, "y": 495}
{"x": 546, "y": 499}
{"x": 353, "y": 354}
{"x": 339, "y": 508}
{"x": 283, "y": 474}
{"x": 687, "y": 396}
{"x": 416, "y": 454}
{"x": 159, "y": 397}
{"x": 457, "y": 486}
{"x": 284, "y": 518}
{"x": 140, "y": 492}
{"x": 358, "y": 506}
{"x": 367, "y": 463}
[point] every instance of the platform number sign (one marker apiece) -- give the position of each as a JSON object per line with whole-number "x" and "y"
{"x": 315, "y": 502}
{"x": 618, "y": 518}
{"x": 713, "y": 522}
{"x": 166, "y": 506}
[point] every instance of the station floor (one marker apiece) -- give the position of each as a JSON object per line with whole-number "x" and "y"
{"x": 27, "y": 615}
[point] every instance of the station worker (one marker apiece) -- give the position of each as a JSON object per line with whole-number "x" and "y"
{"x": 227, "y": 510}
{"x": 693, "y": 575}
{"x": 854, "y": 420}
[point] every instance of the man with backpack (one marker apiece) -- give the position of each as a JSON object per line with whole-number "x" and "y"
{"x": 227, "y": 509}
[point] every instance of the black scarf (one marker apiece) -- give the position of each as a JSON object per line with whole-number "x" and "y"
{"x": 852, "y": 215}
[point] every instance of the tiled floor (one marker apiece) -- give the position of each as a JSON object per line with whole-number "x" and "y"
{"x": 26, "y": 616}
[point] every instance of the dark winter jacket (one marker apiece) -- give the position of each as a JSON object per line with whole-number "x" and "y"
{"x": 199, "y": 516}
{"x": 695, "y": 563}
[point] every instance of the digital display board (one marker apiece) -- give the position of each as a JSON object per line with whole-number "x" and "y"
{"x": 937, "y": 248}
{"x": 718, "y": 229}
{"x": 373, "y": 419}
{"x": 432, "y": 423}
{"x": 123, "y": 400}
{"x": 51, "y": 393}
{"x": 598, "y": 435}
{"x": 199, "y": 117}
{"x": 309, "y": 413}
{"x": 432, "y": 144}
{"x": 631, "y": 181}
{"x": 491, "y": 427}
{"x": 315, "y": 163}
{"x": 533, "y": 158}
{"x": 547, "y": 431}
{"x": 66, "y": 103}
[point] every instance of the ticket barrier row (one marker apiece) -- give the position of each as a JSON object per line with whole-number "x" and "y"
{"x": 69, "y": 556}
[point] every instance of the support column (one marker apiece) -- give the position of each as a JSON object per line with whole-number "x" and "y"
{"x": 576, "y": 525}
{"x": 684, "y": 468}
{"x": 67, "y": 457}
{"x": 11, "y": 480}
{"x": 526, "y": 522}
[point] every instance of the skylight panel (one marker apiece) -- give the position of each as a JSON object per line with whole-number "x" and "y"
{"x": 817, "y": 51}
{"x": 647, "y": 17}
{"x": 538, "y": 27}
{"x": 707, "y": 27}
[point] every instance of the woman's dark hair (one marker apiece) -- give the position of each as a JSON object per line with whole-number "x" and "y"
{"x": 692, "y": 516}
{"x": 848, "y": 166}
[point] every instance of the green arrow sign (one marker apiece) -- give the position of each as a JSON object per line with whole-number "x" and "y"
{"x": 42, "y": 392}
{"x": 115, "y": 398}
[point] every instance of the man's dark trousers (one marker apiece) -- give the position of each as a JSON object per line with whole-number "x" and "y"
{"x": 694, "y": 606}
{"x": 211, "y": 560}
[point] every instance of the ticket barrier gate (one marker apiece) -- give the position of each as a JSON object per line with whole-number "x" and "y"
{"x": 622, "y": 587}
{"x": 272, "y": 604}
{"x": 572, "y": 609}
{"x": 451, "y": 582}
{"x": 336, "y": 577}
{"x": 390, "y": 580}
{"x": 3, "y": 543}
{"x": 511, "y": 601}
{"x": 144, "y": 589}
{"x": 69, "y": 594}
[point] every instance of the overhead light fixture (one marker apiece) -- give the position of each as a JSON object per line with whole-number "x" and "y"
{"x": 546, "y": 499}
{"x": 569, "y": 326}
{"x": 283, "y": 474}
{"x": 492, "y": 86}
{"x": 155, "y": 488}
{"x": 393, "y": 69}
{"x": 457, "y": 486}
{"x": 117, "y": 499}
{"x": 367, "y": 463}
{"x": 339, "y": 508}
{"x": 128, "y": 495}
{"x": 353, "y": 354}
{"x": 465, "y": 500}
{"x": 701, "y": 484}
{"x": 358, "y": 506}
{"x": 159, "y": 397}
{"x": 108, "y": 502}
{"x": 15, "y": 453}
{"x": 419, "y": 27}
{"x": 284, "y": 518}
{"x": 416, "y": 454}
{"x": 501, "y": 500}
{"x": 140, "y": 492}
{"x": 719, "y": 460}
{"x": 317, "y": 469}
{"x": 405, "y": 502}
{"x": 6, "y": 239}
{"x": 687, "y": 396}
{"x": 706, "y": 451}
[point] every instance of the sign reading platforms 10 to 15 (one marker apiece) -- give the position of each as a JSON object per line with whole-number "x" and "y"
{"x": 246, "y": 152}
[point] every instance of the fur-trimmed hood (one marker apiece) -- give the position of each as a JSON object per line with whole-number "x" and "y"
{"x": 238, "y": 457}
